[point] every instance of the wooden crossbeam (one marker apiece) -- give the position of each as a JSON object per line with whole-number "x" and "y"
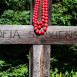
{"x": 24, "y": 34}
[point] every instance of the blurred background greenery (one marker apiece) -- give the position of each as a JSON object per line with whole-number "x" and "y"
{"x": 14, "y": 59}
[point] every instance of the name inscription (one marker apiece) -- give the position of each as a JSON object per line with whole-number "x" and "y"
{"x": 56, "y": 35}
{"x": 31, "y": 34}
{"x": 9, "y": 34}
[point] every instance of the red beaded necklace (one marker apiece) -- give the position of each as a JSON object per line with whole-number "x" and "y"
{"x": 40, "y": 27}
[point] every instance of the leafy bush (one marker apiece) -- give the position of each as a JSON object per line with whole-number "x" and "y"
{"x": 14, "y": 60}
{"x": 64, "y": 13}
{"x": 14, "y": 12}
{"x": 63, "y": 61}
{"x": 18, "y": 71}
{"x": 66, "y": 74}
{"x": 15, "y": 4}
{"x": 15, "y": 17}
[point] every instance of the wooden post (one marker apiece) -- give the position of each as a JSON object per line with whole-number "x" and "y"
{"x": 39, "y": 63}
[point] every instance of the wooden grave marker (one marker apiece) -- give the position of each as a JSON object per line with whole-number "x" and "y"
{"x": 39, "y": 54}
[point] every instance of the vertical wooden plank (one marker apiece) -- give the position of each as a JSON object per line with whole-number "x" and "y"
{"x": 41, "y": 60}
{"x": 31, "y": 48}
{"x": 49, "y": 11}
{"x": 30, "y": 61}
{"x": 39, "y": 63}
{"x": 31, "y": 10}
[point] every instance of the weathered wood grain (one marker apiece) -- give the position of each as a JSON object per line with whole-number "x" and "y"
{"x": 40, "y": 61}
{"x": 31, "y": 61}
{"x": 31, "y": 10}
{"x": 24, "y": 34}
{"x": 49, "y": 11}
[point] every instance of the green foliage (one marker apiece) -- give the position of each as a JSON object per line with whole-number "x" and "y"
{"x": 60, "y": 74}
{"x": 63, "y": 61}
{"x": 13, "y": 63}
{"x": 17, "y": 12}
{"x": 14, "y": 12}
{"x": 18, "y": 71}
{"x": 16, "y": 4}
{"x": 64, "y": 13}
{"x": 15, "y": 17}
{"x": 1, "y": 64}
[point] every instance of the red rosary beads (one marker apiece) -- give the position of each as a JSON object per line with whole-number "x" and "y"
{"x": 40, "y": 27}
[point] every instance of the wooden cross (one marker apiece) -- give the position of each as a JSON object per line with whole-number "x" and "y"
{"x": 39, "y": 63}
